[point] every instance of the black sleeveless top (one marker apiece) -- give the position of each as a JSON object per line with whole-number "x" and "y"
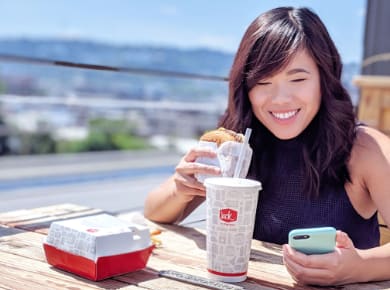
{"x": 283, "y": 206}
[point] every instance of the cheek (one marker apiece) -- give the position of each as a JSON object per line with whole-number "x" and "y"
{"x": 257, "y": 105}
{"x": 315, "y": 100}
{"x": 310, "y": 96}
{"x": 256, "y": 100}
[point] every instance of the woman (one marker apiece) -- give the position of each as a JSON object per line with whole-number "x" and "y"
{"x": 318, "y": 167}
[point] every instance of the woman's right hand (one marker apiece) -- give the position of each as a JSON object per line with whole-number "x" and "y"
{"x": 187, "y": 186}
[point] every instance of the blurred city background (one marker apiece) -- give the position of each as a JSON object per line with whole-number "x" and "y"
{"x": 99, "y": 100}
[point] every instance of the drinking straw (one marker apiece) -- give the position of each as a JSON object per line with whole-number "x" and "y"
{"x": 247, "y": 135}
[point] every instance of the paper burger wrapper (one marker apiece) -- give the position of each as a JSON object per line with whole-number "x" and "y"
{"x": 97, "y": 247}
{"x": 227, "y": 158}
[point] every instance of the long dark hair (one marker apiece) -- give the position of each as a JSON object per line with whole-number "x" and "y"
{"x": 268, "y": 44}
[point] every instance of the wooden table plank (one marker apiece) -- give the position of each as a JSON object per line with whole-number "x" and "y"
{"x": 21, "y": 243}
{"x": 39, "y": 219}
{"x": 182, "y": 249}
{"x": 28, "y": 214}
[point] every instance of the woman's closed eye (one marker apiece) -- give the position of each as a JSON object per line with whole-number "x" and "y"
{"x": 298, "y": 80}
{"x": 263, "y": 83}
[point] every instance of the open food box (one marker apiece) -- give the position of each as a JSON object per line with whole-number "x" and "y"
{"x": 97, "y": 247}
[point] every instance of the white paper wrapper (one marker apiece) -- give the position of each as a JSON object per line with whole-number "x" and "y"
{"x": 227, "y": 157}
{"x": 97, "y": 236}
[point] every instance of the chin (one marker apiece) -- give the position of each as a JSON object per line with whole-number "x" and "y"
{"x": 285, "y": 135}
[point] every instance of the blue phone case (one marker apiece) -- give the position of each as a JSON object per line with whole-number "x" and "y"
{"x": 320, "y": 240}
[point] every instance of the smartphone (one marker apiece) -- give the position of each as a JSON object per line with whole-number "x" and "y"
{"x": 309, "y": 241}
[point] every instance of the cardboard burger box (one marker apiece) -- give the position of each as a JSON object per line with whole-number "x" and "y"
{"x": 97, "y": 247}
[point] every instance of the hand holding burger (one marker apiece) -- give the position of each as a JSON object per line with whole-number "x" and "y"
{"x": 227, "y": 144}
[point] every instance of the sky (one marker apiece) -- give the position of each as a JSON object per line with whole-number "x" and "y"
{"x": 216, "y": 24}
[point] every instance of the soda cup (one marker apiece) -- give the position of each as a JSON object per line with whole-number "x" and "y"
{"x": 231, "y": 208}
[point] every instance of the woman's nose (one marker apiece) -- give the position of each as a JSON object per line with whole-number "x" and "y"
{"x": 281, "y": 95}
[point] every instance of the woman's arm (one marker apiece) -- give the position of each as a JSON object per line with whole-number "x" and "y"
{"x": 164, "y": 205}
{"x": 375, "y": 264}
{"x": 373, "y": 159}
{"x": 178, "y": 196}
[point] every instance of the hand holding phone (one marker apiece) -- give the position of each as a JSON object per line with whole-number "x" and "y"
{"x": 319, "y": 240}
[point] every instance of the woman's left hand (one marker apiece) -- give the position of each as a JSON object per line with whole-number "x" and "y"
{"x": 339, "y": 267}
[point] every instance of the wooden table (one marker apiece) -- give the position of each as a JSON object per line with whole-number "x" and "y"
{"x": 23, "y": 264}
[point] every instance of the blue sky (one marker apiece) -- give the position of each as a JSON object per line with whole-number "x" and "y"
{"x": 215, "y": 24}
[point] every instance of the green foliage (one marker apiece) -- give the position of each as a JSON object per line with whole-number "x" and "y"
{"x": 126, "y": 142}
{"x": 36, "y": 143}
{"x": 70, "y": 146}
{"x": 105, "y": 135}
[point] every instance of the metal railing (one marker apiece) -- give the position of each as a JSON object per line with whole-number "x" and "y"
{"x": 129, "y": 70}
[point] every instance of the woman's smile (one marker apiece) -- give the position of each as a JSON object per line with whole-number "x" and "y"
{"x": 284, "y": 116}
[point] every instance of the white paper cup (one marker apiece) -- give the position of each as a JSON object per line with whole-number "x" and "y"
{"x": 231, "y": 207}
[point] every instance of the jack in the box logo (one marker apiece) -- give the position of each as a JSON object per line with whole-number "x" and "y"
{"x": 228, "y": 215}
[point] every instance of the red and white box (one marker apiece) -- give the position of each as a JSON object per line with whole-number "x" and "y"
{"x": 97, "y": 247}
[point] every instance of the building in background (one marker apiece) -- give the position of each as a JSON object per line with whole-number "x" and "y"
{"x": 376, "y": 59}
{"x": 374, "y": 83}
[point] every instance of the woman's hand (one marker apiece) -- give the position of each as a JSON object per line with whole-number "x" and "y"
{"x": 187, "y": 186}
{"x": 339, "y": 267}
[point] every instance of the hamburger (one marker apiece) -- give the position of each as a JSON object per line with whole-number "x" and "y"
{"x": 222, "y": 135}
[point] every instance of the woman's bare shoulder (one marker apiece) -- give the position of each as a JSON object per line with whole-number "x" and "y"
{"x": 370, "y": 161}
{"x": 371, "y": 143}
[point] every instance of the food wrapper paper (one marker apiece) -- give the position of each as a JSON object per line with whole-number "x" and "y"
{"x": 227, "y": 158}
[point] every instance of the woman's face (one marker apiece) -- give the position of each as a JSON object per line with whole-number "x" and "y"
{"x": 287, "y": 102}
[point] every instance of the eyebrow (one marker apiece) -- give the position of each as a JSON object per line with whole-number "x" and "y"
{"x": 297, "y": 70}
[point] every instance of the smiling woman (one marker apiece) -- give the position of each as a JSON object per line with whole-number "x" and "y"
{"x": 317, "y": 165}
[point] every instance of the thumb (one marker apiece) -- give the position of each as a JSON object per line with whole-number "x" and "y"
{"x": 343, "y": 240}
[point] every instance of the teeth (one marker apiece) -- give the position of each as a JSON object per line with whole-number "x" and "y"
{"x": 285, "y": 115}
